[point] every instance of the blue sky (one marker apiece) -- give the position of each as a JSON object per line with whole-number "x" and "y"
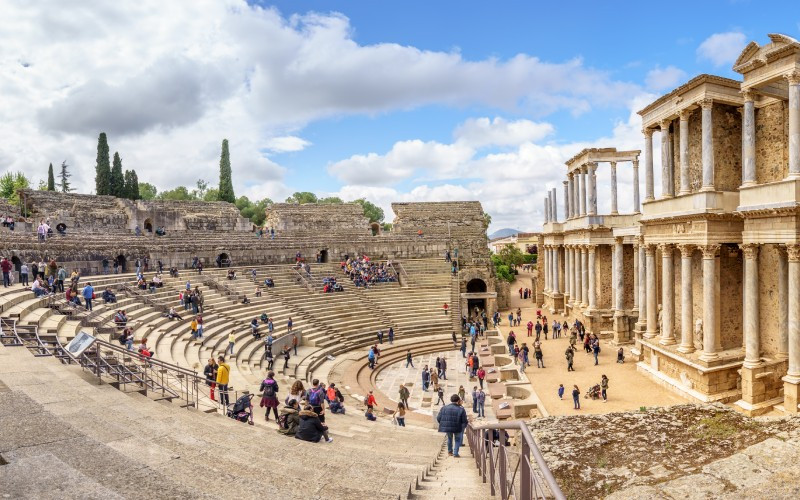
{"x": 393, "y": 101}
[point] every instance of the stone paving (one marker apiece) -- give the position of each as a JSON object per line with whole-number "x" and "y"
{"x": 390, "y": 378}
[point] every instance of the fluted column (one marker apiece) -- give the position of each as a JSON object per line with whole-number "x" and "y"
{"x": 710, "y": 295}
{"x": 649, "y": 182}
{"x": 652, "y": 293}
{"x": 636, "y": 205}
{"x": 546, "y": 209}
{"x": 794, "y": 311}
{"x": 707, "y": 145}
{"x": 566, "y": 200}
{"x": 794, "y": 123}
{"x": 592, "y": 190}
{"x": 573, "y": 181}
{"x": 585, "y": 276}
{"x": 567, "y": 275}
{"x": 614, "y": 210}
{"x": 783, "y": 303}
{"x": 643, "y": 307}
{"x": 582, "y": 194}
{"x": 686, "y": 186}
{"x": 666, "y": 171}
{"x": 748, "y": 139}
{"x": 667, "y": 295}
{"x": 578, "y": 275}
{"x": 687, "y": 313}
{"x": 636, "y": 275}
{"x": 556, "y": 271}
{"x": 619, "y": 278}
{"x": 554, "y": 200}
{"x": 592, "y": 278}
{"x": 752, "y": 348}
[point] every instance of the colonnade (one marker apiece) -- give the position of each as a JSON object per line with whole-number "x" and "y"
{"x": 580, "y": 190}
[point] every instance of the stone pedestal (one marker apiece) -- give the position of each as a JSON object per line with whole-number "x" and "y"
{"x": 761, "y": 387}
{"x": 791, "y": 394}
{"x": 622, "y": 334}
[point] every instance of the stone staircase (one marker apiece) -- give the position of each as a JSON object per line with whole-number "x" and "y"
{"x": 452, "y": 478}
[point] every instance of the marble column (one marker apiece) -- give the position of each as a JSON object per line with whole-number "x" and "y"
{"x": 556, "y": 271}
{"x": 793, "y": 79}
{"x": 687, "y": 304}
{"x": 636, "y": 275}
{"x": 649, "y": 182}
{"x": 566, "y": 200}
{"x": 592, "y": 278}
{"x": 636, "y": 205}
{"x": 667, "y": 295}
{"x": 686, "y": 186}
{"x": 710, "y": 294}
{"x": 582, "y": 194}
{"x": 546, "y": 209}
{"x": 614, "y": 210}
{"x": 748, "y": 139}
{"x": 707, "y": 145}
{"x": 567, "y": 275}
{"x": 752, "y": 350}
{"x": 576, "y": 208}
{"x": 619, "y": 278}
{"x": 666, "y": 171}
{"x": 643, "y": 263}
{"x": 578, "y": 275}
{"x": 592, "y": 189}
{"x": 652, "y": 292}
{"x": 554, "y": 200}
{"x": 783, "y": 303}
{"x": 575, "y": 297}
{"x": 585, "y": 276}
{"x": 794, "y": 311}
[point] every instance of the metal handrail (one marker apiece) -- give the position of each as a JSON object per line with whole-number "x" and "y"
{"x": 309, "y": 284}
{"x": 535, "y": 480}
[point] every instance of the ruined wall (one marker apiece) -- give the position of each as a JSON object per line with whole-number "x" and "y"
{"x": 604, "y": 277}
{"x": 727, "y": 133}
{"x": 185, "y": 215}
{"x": 627, "y": 275}
{"x": 772, "y": 142}
{"x": 730, "y": 295}
{"x": 79, "y": 212}
{"x": 462, "y": 222}
{"x": 317, "y": 219}
{"x": 769, "y": 312}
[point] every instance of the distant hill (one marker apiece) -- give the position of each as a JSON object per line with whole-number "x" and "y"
{"x": 502, "y": 233}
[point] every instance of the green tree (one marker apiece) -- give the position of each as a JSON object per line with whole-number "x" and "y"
{"x": 63, "y": 183}
{"x": 502, "y": 270}
{"x": 302, "y": 198}
{"x": 334, "y": 200}
{"x": 180, "y": 193}
{"x": 511, "y": 256}
{"x": 225, "y": 181}
{"x": 211, "y": 195}
{"x": 51, "y": 179}
{"x": 202, "y": 189}
{"x": 102, "y": 178}
{"x": 371, "y": 211}
{"x": 255, "y": 211}
{"x": 117, "y": 180}
{"x": 487, "y": 219}
{"x": 130, "y": 187}
{"x": 12, "y": 182}
{"x": 147, "y": 191}
{"x": 387, "y": 227}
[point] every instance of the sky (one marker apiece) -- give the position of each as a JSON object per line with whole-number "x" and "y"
{"x": 390, "y": 101}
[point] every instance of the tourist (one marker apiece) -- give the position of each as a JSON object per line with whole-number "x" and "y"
{"x": 223, "y": 375}
{"x": 286, "y": 355}
{"x": 576, "y": 397}
{"x": 445, "y": 307}
{"x": 481, "y": 373}
{"x": 297, "y": 393}
{"x": 537, "y": 352}
{"x": 380, "y": 336}
{"x": 38, "y": 289}
{"x": 369, "y": 415}
{"x": 270, "y": 326}
{"x": 620, "y": 355}
{"x": 335, "y": 399}
{"x": 289, "y": 419}
{"x": 391, "y": 335}
{"x": 193, "y": 328}
{"x": 476, "y": 363}
{"x": 440, "y": 393}
{"x": 435, "y": 376}
{"x": 443, "y": 368}
{"x": 511, "y": 319}
{"x": 126, "y": 339}
{"x": 452, "y": 420}
{"x": 544, "y": 327}
{"x": 144, "y": 350}
{"x": 556, "y": 330}
{"x": 294, "y": 343}
{"x": 596, "y": 349}
{"x": 400, "y": 415}
{"x": 172, "y": 314}
{"x": 404, "y": 394}
{"x": 210, "y": 372}
{"x": 254, "y": 329}
{"x": 560, "y": 391}
{"x": 370, "y": 401}
{"x": 371, "y": 358}
{"x": 604, "y": 388}
{"x": 311, "y": 428}
{"x": 88, "y": 295}
{"x": 269, "y": 395}
{"x": 409, "y": 360}
{"x": 538, "y": 328}
{"x": 23, "y": 274}
{"x": 231, "y": 342}
{"x": 426, "y": 377}
{"x": 481, "y": 404}
{"x": 570, "y": 355}
{"x": 462, "y": 393}
{"x": 463, "y": 347}
{"x": 120, "y": 318}
{"x": 199, "y": 320}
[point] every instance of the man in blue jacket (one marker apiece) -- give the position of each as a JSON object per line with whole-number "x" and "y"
{"x": 88, "y": 295}
{"x": 452, "y": 419}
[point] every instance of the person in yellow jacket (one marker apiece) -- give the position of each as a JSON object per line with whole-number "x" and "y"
{"x": 223, "y": 374}
{"x": 231, "y": 341}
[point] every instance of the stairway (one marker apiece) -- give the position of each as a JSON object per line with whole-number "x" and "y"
{"x": 452, "y": 478}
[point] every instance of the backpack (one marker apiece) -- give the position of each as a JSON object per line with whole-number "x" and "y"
{"x": 314, "y": 398}
{"x": 269, "y": 389}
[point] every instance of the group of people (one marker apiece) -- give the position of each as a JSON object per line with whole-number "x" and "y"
{"x": 191, "y": 298}
{"x": 363, "y": 272}
{"x": 7, "y": 221}
{"x": 525, "y": 293}
{"x": 329, "y": 284}
{"x": 596, "y": 391}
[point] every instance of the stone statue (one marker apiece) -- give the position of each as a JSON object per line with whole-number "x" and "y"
{"x": 698, "y": 334}
{"x": 660, "y": 320}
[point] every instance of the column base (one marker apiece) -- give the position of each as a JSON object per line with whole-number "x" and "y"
{"x": 650, "y": 334}
{"x": 751, "y": 364}
{"x": 791, "y": 394}
{"x": 614, "y": 212}
{"x": 793, "y": 175}
{"x": 667, "y": 341}
{"x": 686, "y": 349}
{"x": 709, "y": 357}
{"x": 706, "y": 189}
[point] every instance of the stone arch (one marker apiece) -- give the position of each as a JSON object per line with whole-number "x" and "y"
{"x": 122, "y": 261}
{"x": 61, "y": 228}
{"x": 148, "y": 225}
{"x": 17, "y": 263}
{"x": 376, "y": 228}
{"x": 223, "y": 260}
{"x": 476, "y": 285}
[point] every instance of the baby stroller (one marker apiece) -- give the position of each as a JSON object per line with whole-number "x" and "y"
{"x": 242, "y": 409}
{"x": 593, "y": 392}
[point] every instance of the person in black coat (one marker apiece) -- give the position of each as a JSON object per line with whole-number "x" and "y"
{"x": 452, "y": 420}
{"x": 311, "y": 429}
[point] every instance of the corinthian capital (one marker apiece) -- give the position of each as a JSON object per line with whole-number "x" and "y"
{"x": 710, "y": 251}
{"x": 750, "y": 250}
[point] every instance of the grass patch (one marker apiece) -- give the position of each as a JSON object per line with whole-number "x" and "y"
{"x": 714, "y": 428}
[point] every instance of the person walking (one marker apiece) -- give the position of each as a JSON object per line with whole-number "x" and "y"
{"x": 560, "y": 391}
{"x": 5, "y": 265}
{"x": 231, "y": 342}
{"x": 604, "y": 388}
{"x": 576, "y": 397}
{"x": 380, "y": 336}
{"x": 287, "y": 353}
{"x": 404, "y": 395}
{"x": 391, "y": 335}
{"x": 289, "y": 325}
{"x": 481, "y": 403}
{"x": 481, "y": 375}
{"x": 452, "y": 421}
{"x": 88, "y": 295}
{"x": 400, "y": 415}
{"x": 596, "y": 350}
{"x": 426, "y": 377}
{"x": 409, "y": 360}
{"x": 269, "y": 395}
{"x": 23, "y": 274}
{"x": 210, "y": 372}
{"x": 371, "y": 358}
{"x": 475, "y": 399}
{"x": 463, "y": 347}
{"x": 570, "y": 355}
{"x": 537, "y": 351}
{"x": 269, "y": 357}
{"x": 443, "y": 368}
{"x": 455, "y": 342}
{"x": 223, "y": 375}
{"x": 439, "y": 393}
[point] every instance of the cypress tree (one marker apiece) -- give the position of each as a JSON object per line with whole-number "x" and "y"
{"x": 225, "y": 182}
{"x": 131, "y": 190}
{"x": 51, "y": 179}
{"x": 64, "y": 176}
{"x": 117, "y": 181}
{"x": 102, "y": 178}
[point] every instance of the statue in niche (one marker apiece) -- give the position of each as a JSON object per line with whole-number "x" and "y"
{"x": 698, "y": 335}
{"x": 660, "y": 320}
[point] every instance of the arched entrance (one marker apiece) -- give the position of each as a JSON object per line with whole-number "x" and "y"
{"x": 148, "y": 225}
{"x": 223, "y": 260}
{"x": 122, "y": 263}
{"x": 376, "y": 228}
{"x": 61, "y": 228}
{"x": 17, "y": 263}
{"x": 476, "y": 305}
{"x": 323, "y": 255}
{"x": 476, "y": 285}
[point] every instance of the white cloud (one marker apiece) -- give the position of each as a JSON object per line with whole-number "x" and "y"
{"x": 660, "y": 78}
{"x": 479, "y": 132}
{"x": 286, "y": 144}
{"x": 722, "y": 48}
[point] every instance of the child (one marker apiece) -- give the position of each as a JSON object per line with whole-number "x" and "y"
{"x": 560, "y": 391}
{"x": 620, "y": 356}
{"x": 370, "y": 402}
{"x": 370, "y": 416}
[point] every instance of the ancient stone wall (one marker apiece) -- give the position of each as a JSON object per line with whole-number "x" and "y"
{"x": 731, "y": 298}
{"x": 78, "y": 212}
{"x": 627, "y": 275}
{"x": 317, "y": 218}
{"x": 727, "y": 133}
{"x": 769, "y": 325}
{"x": 604, "y": 277}
{"x": 461, "y": 221}
{"x": 772, "y": 142}
{"x": 184, "y": 215}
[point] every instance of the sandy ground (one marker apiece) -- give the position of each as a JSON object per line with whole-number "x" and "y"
{"x": 628, "y": 389}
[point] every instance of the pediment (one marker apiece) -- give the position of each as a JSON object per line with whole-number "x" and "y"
{"x": 755, "y": 55}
